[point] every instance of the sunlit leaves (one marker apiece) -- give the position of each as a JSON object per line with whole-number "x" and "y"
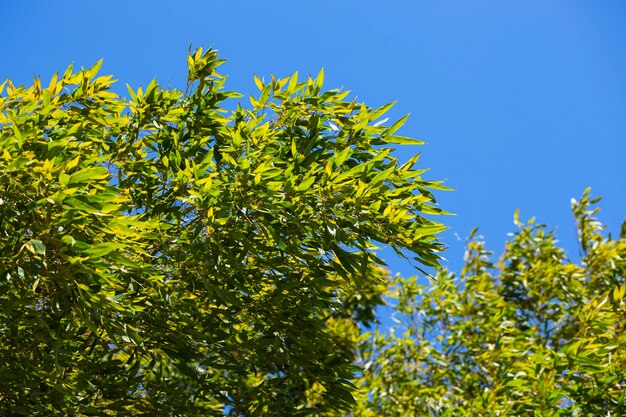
{"x": 163, "y": 254}
{"x": 532, "y": 333}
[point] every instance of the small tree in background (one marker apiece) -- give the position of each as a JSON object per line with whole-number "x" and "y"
{"x": 531, "y": 333}
{"x": 165, "y": 256}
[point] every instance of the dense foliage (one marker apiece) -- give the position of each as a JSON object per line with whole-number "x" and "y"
{"x": 533, "y": 333}
{"x": 163, "y": 255}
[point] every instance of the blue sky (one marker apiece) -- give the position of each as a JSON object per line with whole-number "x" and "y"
{"x": 522, "y": 104}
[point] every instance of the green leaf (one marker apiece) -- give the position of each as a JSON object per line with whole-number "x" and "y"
{"x": 394, "y": 127}
{"x": 320, "y": 78}
{"x": 89, "y": 174}
{"x": 382, "y": 110}
{"x": 515, "y": 383}
{"x": 402, "y": 140}
{"x": 342, "y": 156}
{"x": 64, "y": 179}
{"x": 101, "y": 249}
{"x": 293, "y": 82}
{"x": 305, "y": 184}
{"x": 36, "y": 246}
{"x": 259, "y": 83}
{"x": 68, "y": 240}
{"x": 265, "y": 94}
{"x": 381, "y": 176}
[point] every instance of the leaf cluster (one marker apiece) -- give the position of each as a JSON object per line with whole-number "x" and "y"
{"x": 164, "y": 255}
{"x": 531, "y": 333}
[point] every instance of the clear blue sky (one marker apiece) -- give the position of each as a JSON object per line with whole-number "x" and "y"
{"x": 523, "y": 104}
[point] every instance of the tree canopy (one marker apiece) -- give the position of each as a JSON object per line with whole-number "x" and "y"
{"x": 174, "y": 254}
{"x": 531, "y": 333}
{"x": 166, "y": 255}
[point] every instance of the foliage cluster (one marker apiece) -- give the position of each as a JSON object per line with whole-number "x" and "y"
{"x": 163, "y": 255}
{"x": 531, "y": 333}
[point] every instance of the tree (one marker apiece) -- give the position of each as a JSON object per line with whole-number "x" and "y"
{"x": 163, "y": 255}
{"x": 532, "y": 333}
